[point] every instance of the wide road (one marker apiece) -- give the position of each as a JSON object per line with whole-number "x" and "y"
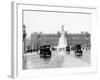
{"x": 32, "y": 60}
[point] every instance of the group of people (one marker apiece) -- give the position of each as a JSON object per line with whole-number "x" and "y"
{"x": 78, "y": 49}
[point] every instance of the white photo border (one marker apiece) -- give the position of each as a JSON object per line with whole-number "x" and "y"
{"x": 17, "y": 22}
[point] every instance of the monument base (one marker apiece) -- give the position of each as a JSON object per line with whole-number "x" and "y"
{"x": 62, "y": 51}
{"x": 62, "y": 42}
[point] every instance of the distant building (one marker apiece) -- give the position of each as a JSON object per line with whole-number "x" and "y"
{"x": 39, "y": 39}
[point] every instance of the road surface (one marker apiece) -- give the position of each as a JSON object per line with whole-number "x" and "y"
{"x": 33, "y": 61}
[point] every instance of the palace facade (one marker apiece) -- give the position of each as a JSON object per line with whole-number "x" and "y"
{"x": 38, "y": 39}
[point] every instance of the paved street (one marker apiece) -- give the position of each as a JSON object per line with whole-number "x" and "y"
{"x": 32, "y": 60}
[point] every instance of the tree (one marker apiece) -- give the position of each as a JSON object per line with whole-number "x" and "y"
{"x": 58, "y": 33}
{"x": 24, "y": 37}
{"x": 24, "y": 32}
{"x": 38, "y": 42}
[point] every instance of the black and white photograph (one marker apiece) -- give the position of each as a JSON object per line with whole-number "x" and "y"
{"x": 56, "y": 39}
{"x": 53, "y": 39}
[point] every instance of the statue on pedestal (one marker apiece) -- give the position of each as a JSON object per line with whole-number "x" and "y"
{"x": 62, "y": 42}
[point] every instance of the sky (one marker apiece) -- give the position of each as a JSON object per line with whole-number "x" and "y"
{"x": 51, "y": 22}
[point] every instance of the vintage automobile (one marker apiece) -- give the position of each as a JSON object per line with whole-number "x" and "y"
{"x": 72, "y": 48}
{"x": 45, "y": 51}
{"x": 31, "y": 50}
{"x": 68, "y": 49}
{"x": 78, "y": 51}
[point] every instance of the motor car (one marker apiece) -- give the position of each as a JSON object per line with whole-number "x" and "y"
{"x": 78, "y": 51}
{"x": 28, "y": 51}
{"x": 45, "y": 51}
{"x": 68, "y": 49}
{"x": 72, "y": 48}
